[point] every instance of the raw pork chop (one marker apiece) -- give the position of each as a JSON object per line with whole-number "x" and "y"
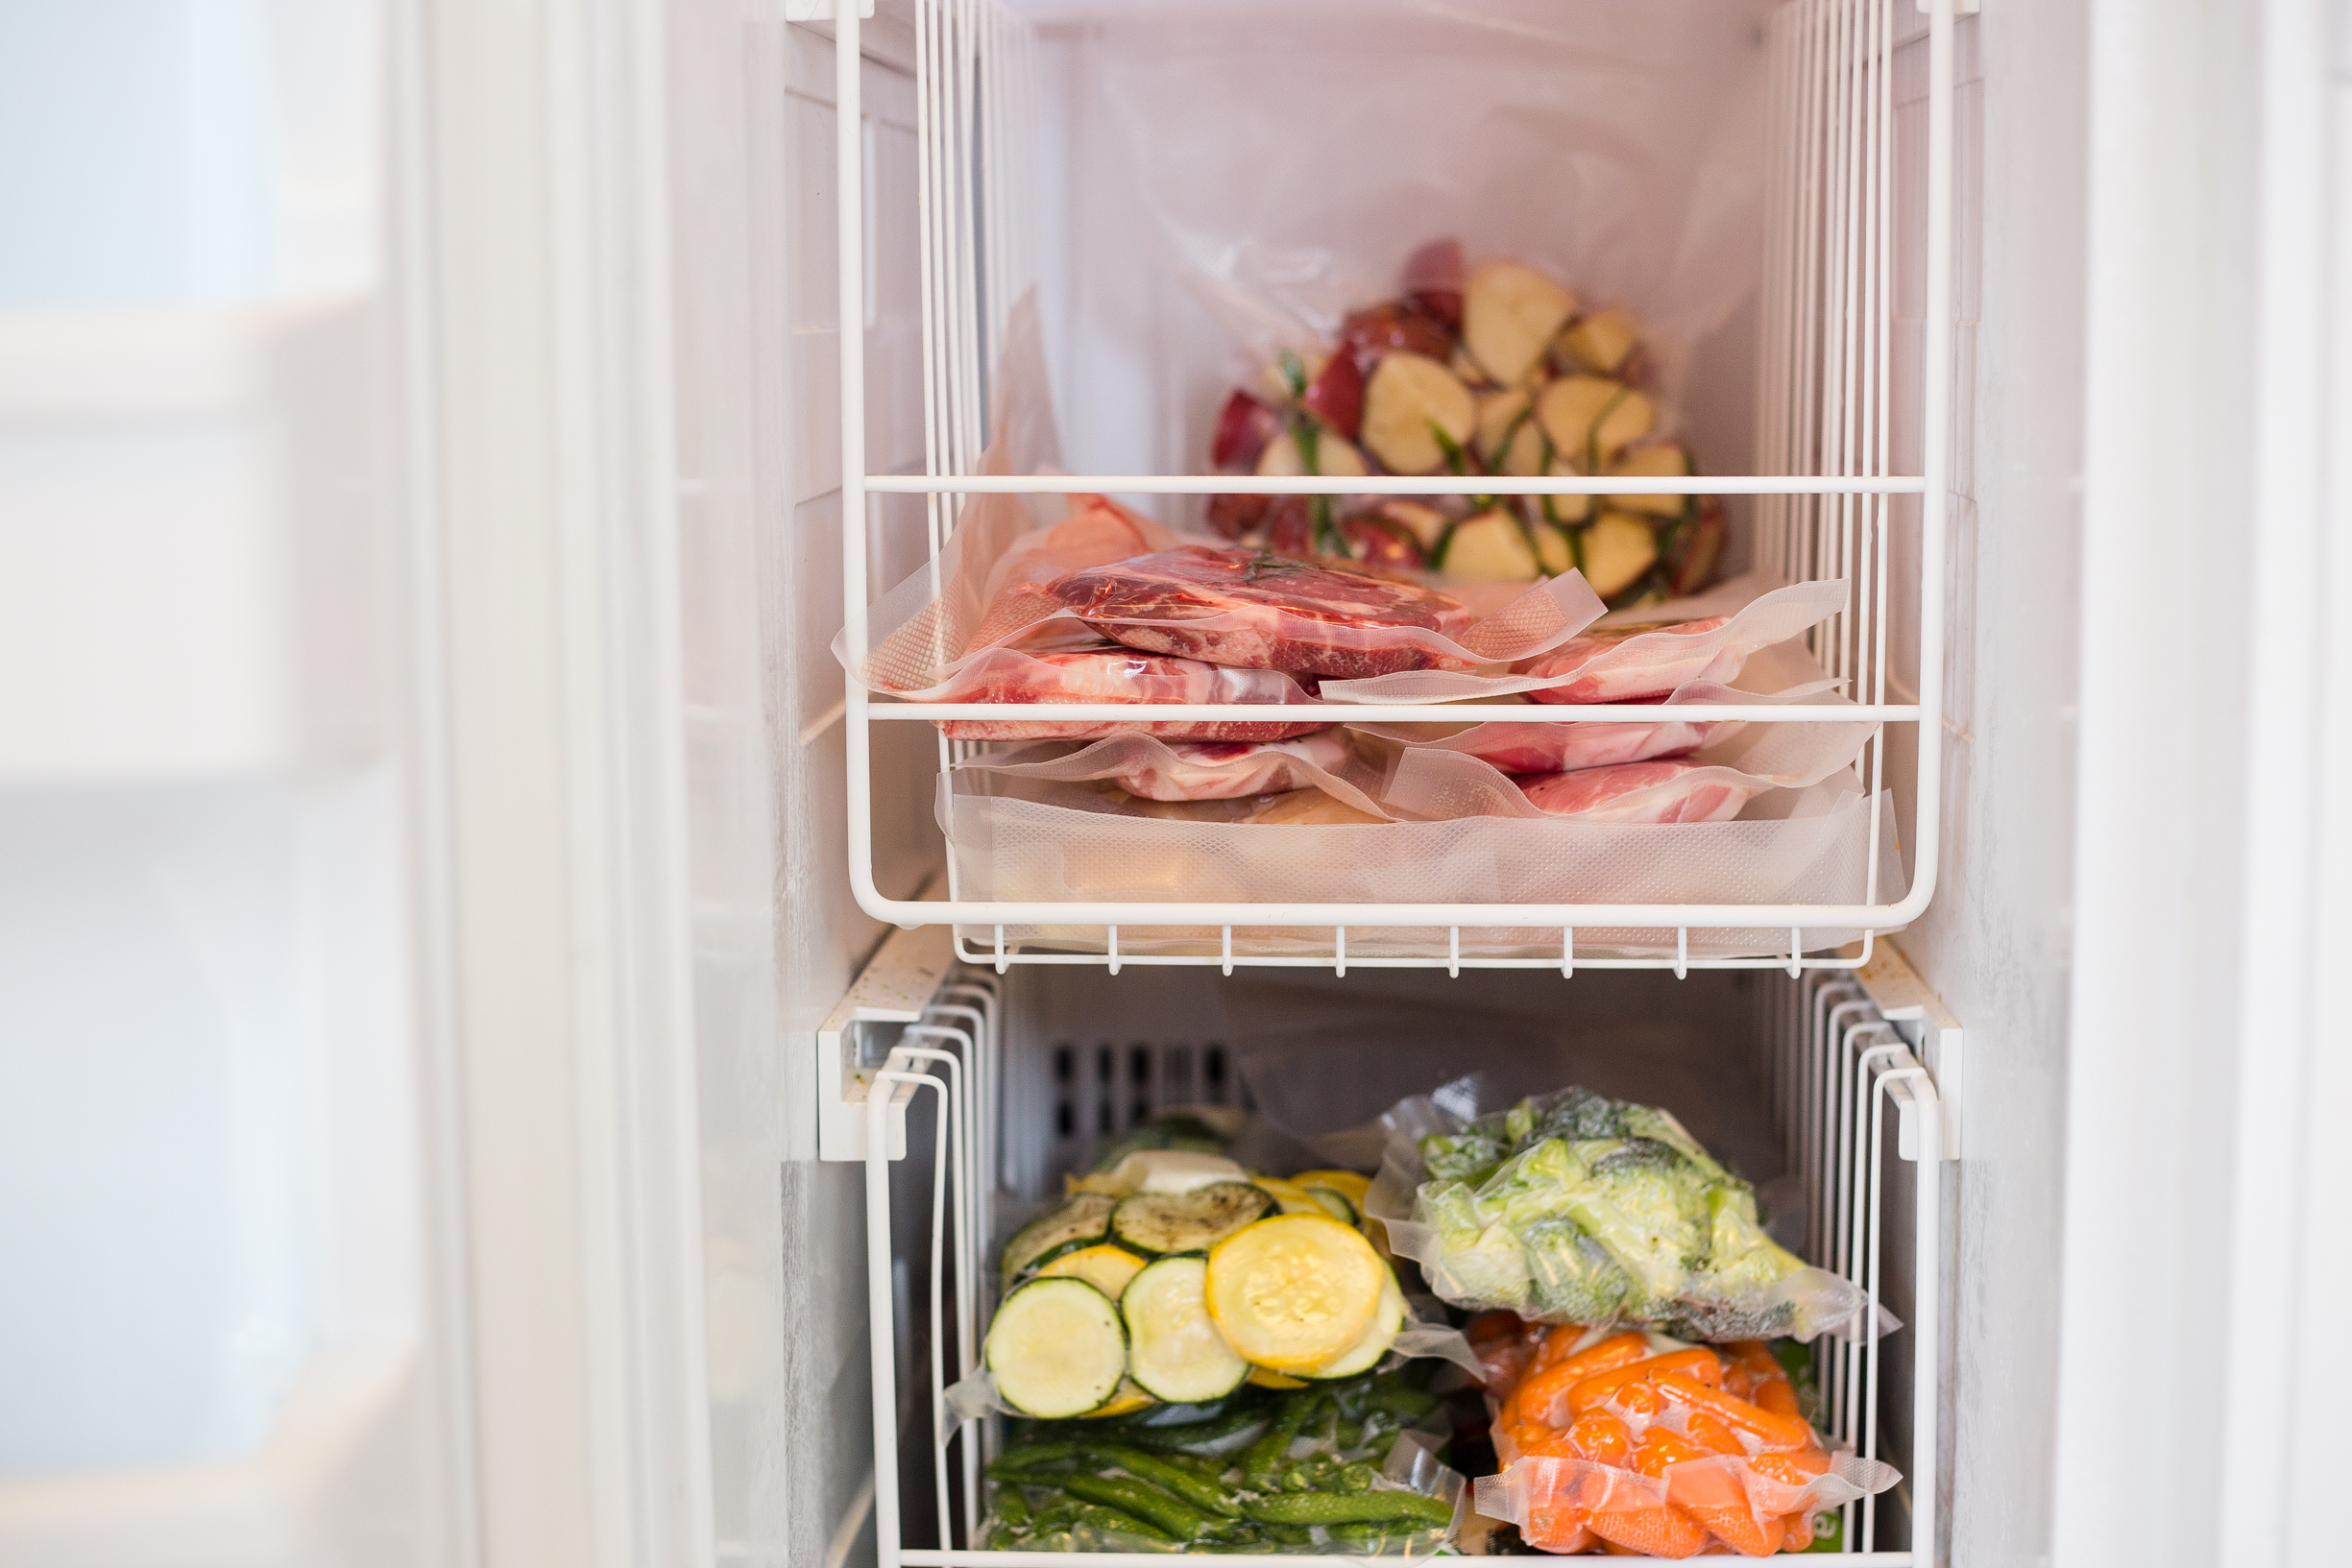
{"x": 1597, "y": 666}
{"x": 1640, "y": 793}
{"x": 1116, "y": 674}
{"x": 1255, "y": 611}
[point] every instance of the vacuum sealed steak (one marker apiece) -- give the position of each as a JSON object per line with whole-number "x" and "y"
{"x": 1658, "y": 791}
{"x": 1252, "y": 610}
{"x": 1555, "y": 748}
{"x": 1605, "y": 664}
{"x": 1110, "y": 673}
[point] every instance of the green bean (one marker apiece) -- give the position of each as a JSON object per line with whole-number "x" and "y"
{"x": 1265, "y": 1456}
{"x": 1356, "y": 1477}
{"x": 1195, "y": 1489}
{"x": 1362, "y": 1508}
{"x": 1031, "y": 1458}
{"x": 1011, "y": 1508}
{"x": 1172, "y": 1514}
{"x": 1118, "y": 1522}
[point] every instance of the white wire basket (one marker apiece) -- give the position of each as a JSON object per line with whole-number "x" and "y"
{"x": 1841, "y": 195}
{"x": 1839, "y": 1077}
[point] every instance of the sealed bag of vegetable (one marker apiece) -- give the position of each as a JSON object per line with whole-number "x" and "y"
{"x": 1647, "y": 1445}
{"x": 1574, "y": 1206}
{"x": 1345, "y": 1467}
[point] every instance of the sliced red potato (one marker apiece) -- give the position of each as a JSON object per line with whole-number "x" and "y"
{"x": 1490, "y": 547}
{"x": 1564, "y": 509}
{"x": 1660, "y": 460}
{"x": 1333, "y": 457}
{"x": 1695, "y": 549}
{"x": 1396, "y": 327}
{"x": 1410, "y": 399}
{"x": 1471, "y": 373}
{"x": 1506, "y": 420}
{"x": 1553, "y": 551}
{"x": 1245, "y": 424}
{"x": 1426, "y": 523}
{"x": 1336, "y": 395}
{"x": 1600, "y": 342}
{"x": 1433, "y": 281}
{"x": 1380, "y": 544}
{"x": 1509, "y": 315}
{"x": 1234, "y": 516}
{"x": 1619, "y": 547}
{"x": 1589, "y": 418}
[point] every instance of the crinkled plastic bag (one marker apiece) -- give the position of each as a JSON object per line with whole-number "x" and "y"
{"x": 1094, "y": 669}
{"x": 1643, "y": 655}
{"x": 1574, "y": 1208}
{"x": 1558, "y": 1503}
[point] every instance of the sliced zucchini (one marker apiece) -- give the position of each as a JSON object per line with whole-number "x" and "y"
{"x": 1387, "y": 1322}
{"x": 1174, "y": 1351}
{"x": 1126, "y": 1402}
{"x": 1295, "y": 1290}
{"x": 1082, "y": 1221}
{"x": 1347, "y": 1183}
{"x": 1058, "y": 1347}
{"x": 1288, "y": 1196}
{"x": 1159, "y": 1223}
{"x": 1265, "y": 1377}
{"x": 1107, "y": 1267}
{"x": 1334, "y": 1204}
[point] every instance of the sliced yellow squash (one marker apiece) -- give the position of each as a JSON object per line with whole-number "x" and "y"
{"x": 1105, "y": 1267}
{"x": 1293, "y": 1291}
{"x": 1387, "y": 1322}
{"x": 1265, "y": 1377}
{"x": 1289, "y": 1197}
{"x": 1348, "y": 1184}
{"x": 1126, "y": 1402}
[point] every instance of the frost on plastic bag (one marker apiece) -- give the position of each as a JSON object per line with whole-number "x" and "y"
{"x": 1576, "y": 1208}
{"x": 1156, "y": 770}
{"x": 1640, "y": 655}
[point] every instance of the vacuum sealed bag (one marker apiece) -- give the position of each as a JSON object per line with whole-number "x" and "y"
{"x": 1092, "y": 669}
{"x": 1171, "y": 771}
{"x": 1637, "y": 1444}
{"x": 1577, "y": 1208}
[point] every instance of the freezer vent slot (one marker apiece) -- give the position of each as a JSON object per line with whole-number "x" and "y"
{"x": 1103, "y": 1089}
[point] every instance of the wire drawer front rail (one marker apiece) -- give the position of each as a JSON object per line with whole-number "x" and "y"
{"x": 1827, "y": 504}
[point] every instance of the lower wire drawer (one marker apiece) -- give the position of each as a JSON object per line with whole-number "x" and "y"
{"x": 980, "y": 1097}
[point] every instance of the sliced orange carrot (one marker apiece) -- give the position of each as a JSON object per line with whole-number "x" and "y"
{"x": 1640, "y": 1400}
{"x": 1697, "y": 1362}
{"x": 1559, "y": 1341}
{"x": 1776, "y": 1431}
{"x": 1537, "y": 1397}
{"x": 1665, "y": 1531}
{"x": 1601, "y": 1437}
{"x": 1800, "y": 1530}
{"x": 1737, "y": 1527}
{"x": 1709, "y": 1433}
{"x": 1794, "y": 1467}
{"x": 1660, "y": 1448}
{"x": 1557, "y": 1529}
{"x": 1778, "y": 1397}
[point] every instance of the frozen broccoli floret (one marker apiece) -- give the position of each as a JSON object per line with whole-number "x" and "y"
{"x": 1659, "y": 1126}
{"x": 1467, "y": 1156}
{"x": 1571, "y": 1279}
{"x": 1742, "y": 1259}
{"x": 1645, "y": 1205}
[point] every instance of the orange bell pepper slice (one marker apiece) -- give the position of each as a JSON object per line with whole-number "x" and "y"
{"x": 1698, "y": 1363}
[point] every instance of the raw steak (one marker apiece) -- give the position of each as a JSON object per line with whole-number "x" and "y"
{"x": 1255, "y": 611}
{"x": 1597, "y": 666}
{"x": 1641, "y": 793}
{"x": 1112, "y": 673}
{"x": 1218, "y": 770}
